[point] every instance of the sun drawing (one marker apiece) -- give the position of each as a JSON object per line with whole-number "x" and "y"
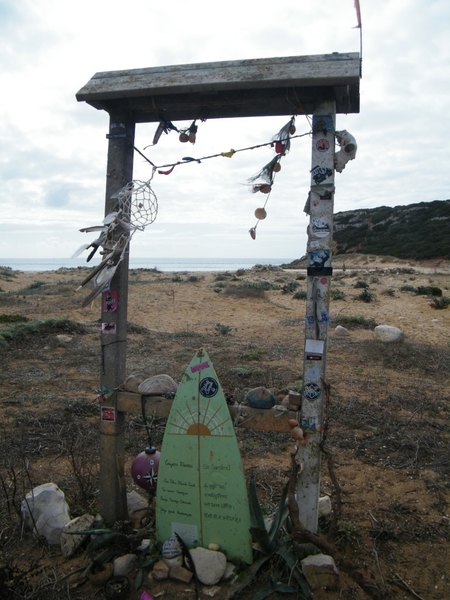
{"x": 204, "y": 421}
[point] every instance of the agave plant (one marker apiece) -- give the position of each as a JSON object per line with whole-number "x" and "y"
{"x": 276, "y": 546}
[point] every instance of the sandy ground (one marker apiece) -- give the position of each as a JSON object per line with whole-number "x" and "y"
{"x": 389, "y": 413}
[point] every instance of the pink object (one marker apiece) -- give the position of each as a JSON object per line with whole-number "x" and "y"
{"x": 144, "y": 469}
{"x": 145, "y": 596}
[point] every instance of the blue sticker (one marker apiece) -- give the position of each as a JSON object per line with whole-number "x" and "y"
{"x": 311, "y": 391}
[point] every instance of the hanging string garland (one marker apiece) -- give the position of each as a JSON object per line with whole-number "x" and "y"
{"x": 282, "y": 144}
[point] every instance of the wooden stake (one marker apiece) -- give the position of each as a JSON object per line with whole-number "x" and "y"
{"x": 113, "y": 502}
{"x": 320, "y": 209}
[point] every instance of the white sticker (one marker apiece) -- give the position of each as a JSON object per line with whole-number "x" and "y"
{"x": 314, "y": 346}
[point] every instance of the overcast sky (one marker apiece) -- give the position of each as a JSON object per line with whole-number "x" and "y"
{"x": 54, "y": 149}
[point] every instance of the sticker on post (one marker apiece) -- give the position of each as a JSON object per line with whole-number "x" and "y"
{"x": 314, "y": 346}
{"x": 319, "y": 262}
{"x": 322, "y": 123}
{"x": 108, "y": 413}
{"x": 320, "y": 228}
{"x": 109, "y": 328}
{"x": 110, "y": 301}
{"x": 312, "y": 373}
{"x": 319, "y": 174}
{"x": 311, "y": 391}
{"x": 323, "y": 145}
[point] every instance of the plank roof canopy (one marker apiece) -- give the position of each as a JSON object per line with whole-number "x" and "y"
{"x": 244, "y": 88}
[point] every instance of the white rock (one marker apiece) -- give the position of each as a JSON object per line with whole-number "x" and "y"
{"x": 176, "y": 561}
{"x": 123, "y": 565}
{"x": 387, "y": 333}
{"x": 320, "y": 571}
{"x": 230, "y": 571}
{"x": 63, "y": 340}
{"x": 210, "y": 565}
{"x": 158, "y": 386}
{"x": 341, "y": 331}
{"x": 71, "y": 542}
{"x": 324, "y": 508}
{"x": 137, "y": 508}
{"x": 171, "y": 548}
{"x": 46, "y": 511}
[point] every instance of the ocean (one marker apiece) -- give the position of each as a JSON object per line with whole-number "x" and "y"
{"x": 162, "y": 264}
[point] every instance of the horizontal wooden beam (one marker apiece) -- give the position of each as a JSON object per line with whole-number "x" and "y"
{"x": 273, "y": 419}
{"x": 244, "y": 88}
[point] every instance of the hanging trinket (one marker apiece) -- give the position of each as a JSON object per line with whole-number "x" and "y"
{"x": 260, "y": 213}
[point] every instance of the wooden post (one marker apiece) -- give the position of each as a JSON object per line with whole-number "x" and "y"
{"x": 320, "y": 209}
{"x": 113, "y": 504}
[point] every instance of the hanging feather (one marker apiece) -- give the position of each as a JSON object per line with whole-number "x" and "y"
{"x": 282, "y": 138}
{"x": 267, "y": 172}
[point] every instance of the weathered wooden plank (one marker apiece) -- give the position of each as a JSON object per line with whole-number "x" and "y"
{"x": 106, "y": 89}
{"x": 251, "y": 418}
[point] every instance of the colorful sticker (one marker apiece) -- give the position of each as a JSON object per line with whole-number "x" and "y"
{"x": 320, "y": 228}
{"x": 208, "y": 387}
{"x": 200, "y": 367}
{"x": 323, "y": 145}
{"x": 318, "y": 259}
{"x": 109, "y": 328}
{"x": 313, "y": 357}
{"x": 311, "y": 391}
{"x": 110, "y": 301}
{"x": 107, "y": 413}
{"x": 322, "y": 123}
{"x": 311, "y": 425}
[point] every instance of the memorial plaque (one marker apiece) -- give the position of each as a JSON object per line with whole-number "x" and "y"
{"x": 201, "y": 492}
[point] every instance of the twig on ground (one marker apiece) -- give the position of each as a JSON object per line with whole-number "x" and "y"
{"x": 402, "y": 583}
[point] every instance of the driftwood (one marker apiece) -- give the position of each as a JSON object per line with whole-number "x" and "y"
{"x": 302, "y": 535}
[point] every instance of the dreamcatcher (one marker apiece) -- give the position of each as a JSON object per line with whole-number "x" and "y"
{"x": 135, "y": 207}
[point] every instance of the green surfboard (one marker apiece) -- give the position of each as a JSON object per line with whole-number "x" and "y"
{"x": 201, "y": 493}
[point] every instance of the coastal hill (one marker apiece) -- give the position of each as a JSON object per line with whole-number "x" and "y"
{"x": 417, "y": 232}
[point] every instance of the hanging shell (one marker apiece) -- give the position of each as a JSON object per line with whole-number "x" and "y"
{"x": 183, "y": 138}
{"x": 260, "y": 213}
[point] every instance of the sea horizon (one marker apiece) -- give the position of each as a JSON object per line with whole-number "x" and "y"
{"x": 161, "y": 264}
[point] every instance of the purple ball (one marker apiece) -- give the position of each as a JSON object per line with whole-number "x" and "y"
{"x": 144, "y": 469}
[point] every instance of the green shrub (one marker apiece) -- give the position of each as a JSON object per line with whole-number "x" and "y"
{"x": 355, "y": 322}
{"x": 366, "y": 296}
{"x": 337, "y": 294}
{"x": 13, "y": 319}
{"x": 289, "y": 287}
{"x": 361, "y": 284}
{"x": 301, "y": 295}
{"x": 223, "y": 329}
{"x": 428, "y": 290}
{"x": 438, "y": 303}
